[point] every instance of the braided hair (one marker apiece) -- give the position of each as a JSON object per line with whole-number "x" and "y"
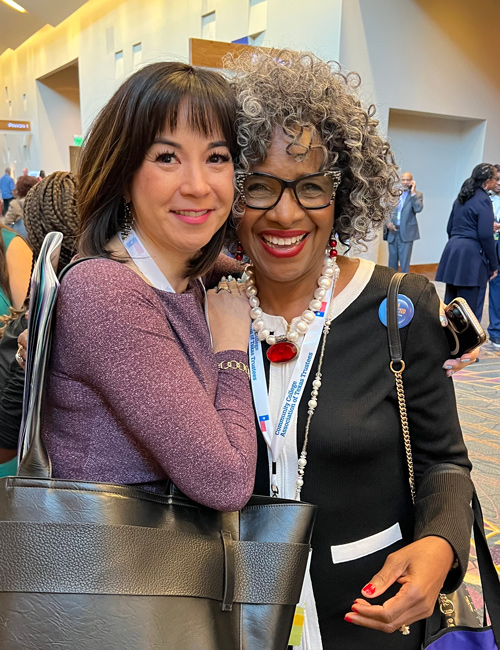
{"x": 480, "y": 174}
{"x": 51, "y": 205}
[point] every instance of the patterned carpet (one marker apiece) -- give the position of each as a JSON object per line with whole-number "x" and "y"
{"x": 478, "y": 396}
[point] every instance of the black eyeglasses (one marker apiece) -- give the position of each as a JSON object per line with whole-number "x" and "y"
{"x": 263, "y": 191}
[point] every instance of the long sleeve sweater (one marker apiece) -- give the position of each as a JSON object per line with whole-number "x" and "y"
{"x": 134, "y": 394}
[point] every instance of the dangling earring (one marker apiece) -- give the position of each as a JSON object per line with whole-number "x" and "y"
{"x": 128, "y": 219}
{"x": 239, "y": 252}
{"x": 332, "y": 245}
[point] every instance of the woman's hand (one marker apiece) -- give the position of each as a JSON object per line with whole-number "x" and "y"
{"x": 229, "y": 315}
{"x": 421, "y": 568}
{"x": 454, "y": 365}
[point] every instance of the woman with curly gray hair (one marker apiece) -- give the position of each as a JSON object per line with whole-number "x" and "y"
{"x": 314, "y": 177}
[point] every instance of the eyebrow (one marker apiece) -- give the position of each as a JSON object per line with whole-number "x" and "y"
{"x": 211, "y": 145}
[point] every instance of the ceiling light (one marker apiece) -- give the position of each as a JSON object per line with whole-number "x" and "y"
{"x": 15, "y": 6}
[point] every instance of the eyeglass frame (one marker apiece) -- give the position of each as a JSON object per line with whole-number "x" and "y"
{"x": 241, "y": 176}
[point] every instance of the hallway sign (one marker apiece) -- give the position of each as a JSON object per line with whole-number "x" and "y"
{"x": 14, "y": 125}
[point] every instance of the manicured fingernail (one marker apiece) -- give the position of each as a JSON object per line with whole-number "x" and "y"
{"x": 348, "y": 618}
{"x": 443, "y": 320}
{"x": 354, "y": 610}
{"x": 464, "y": 360}
{"x": 369, "y": 589}
{"x": 447, "y": 367}
{"x": 229, "y": 278}
{"x": 451, "y": 373}
{"x": 223, "y": 279}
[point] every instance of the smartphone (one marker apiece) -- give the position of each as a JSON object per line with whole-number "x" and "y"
{"x": 463, "y": 331}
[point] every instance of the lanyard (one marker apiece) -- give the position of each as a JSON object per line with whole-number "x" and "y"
{"x": 148, "y": 267}
{"x": 275, "y": 433}
{"x": 144, "y": 262}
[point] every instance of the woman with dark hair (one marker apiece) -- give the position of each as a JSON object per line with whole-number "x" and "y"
{"x": 140, "y": 390}
{"x": 469, "y": 259}
{"x": 49, "y": 205}
{"x": 14, "y": 217}
{"x": 315, "y": 177}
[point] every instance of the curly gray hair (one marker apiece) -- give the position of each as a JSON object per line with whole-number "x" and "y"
{"x": 299, "y": 92}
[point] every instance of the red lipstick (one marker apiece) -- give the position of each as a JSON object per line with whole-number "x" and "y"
{"x": 283, "y": 250}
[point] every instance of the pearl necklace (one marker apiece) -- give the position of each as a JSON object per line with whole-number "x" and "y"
{"x": 284, "y": 348}
{"x": 312, "y": 404}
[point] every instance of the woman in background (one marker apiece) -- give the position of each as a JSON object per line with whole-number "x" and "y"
{"x": 469, "y": 259}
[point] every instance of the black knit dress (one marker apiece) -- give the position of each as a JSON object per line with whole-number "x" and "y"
{"x": 356, "y": 471}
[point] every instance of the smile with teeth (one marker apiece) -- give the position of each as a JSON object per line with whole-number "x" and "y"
{"x": 191, "y": 213}
{"x": 275, "y": 242}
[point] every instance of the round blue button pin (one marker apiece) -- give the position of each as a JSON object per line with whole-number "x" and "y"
{"x": 405, "y": 311}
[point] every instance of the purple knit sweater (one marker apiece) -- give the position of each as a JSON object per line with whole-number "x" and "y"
{"x": 134, "y": 394}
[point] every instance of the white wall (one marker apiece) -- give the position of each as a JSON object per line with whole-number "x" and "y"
{"x": 433, "y": 58}
{"x": 58, "y": 101}
{"x": 437, "y": 151}
{"x": 100, "y": 28}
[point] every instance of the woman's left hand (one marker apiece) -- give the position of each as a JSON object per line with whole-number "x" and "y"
{"x": 454, "y": 365}
{"x": 421, "y": 568}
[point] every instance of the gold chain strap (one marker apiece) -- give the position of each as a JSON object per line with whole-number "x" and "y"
{"x": 445, "y": 605}
{"x": 404, "y": 424}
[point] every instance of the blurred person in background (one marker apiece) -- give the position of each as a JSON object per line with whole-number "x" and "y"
{"x": 470, "y": 259}
{"x": 7, "y": 186}
{"x": 402, "y": 228}
{"x": 14, "y": 215}
{"x": 494, "y": 293}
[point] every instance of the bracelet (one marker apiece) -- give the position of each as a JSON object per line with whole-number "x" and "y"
{"x": 234, "y": 365}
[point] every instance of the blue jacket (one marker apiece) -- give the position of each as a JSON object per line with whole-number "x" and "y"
{"x": 469, "y": 257}
{"x": 6, "y": 186}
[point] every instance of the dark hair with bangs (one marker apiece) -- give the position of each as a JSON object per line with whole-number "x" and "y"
{"x": 125, "y": 129}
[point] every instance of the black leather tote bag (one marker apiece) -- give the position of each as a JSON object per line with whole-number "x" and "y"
{"x": 90, "y": 566}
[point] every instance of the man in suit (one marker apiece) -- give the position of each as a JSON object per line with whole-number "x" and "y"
{"x": 402, "y": 228}
{"x": 494, "y": 295}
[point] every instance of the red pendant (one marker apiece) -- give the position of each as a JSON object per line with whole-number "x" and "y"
{"x": 282, "y": 352}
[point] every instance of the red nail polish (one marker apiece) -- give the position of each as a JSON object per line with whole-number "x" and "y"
{"x": 348, "y": 618}
{"x": 369, "y": 589}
